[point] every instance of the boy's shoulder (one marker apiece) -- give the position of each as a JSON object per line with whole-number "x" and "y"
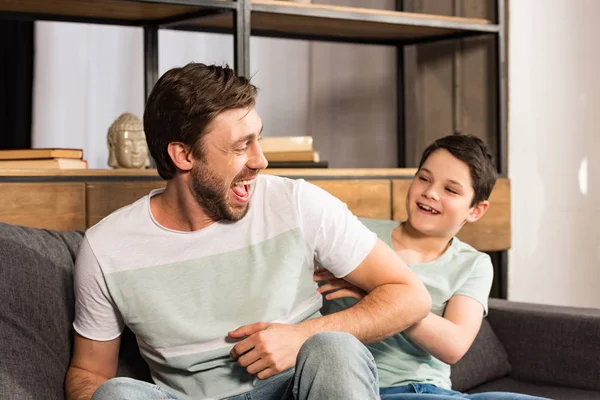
{"x": 462, "y": 253}
{"x": 467, "y": 254}
{"x": 465, "y": 247}
{"x": 375, "y": 224}
{"x": 382, "y": 227}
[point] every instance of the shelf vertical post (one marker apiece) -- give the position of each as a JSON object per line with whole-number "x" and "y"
{"x": 150, "y": 58}
{"x": 241, "y": 38}
{"x": 502, "y": 128}
{"x": 150, "y": 65}
{"x": 502, "y": 88}
{"x": 400, "y": 101}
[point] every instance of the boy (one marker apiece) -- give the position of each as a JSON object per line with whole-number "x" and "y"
{"x": 455, "y": 177}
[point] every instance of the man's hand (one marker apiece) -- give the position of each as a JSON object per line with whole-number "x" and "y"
{"x": 336, "y": 288}
{"x": 268, "y": 348}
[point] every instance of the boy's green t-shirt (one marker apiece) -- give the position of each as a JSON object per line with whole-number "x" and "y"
{"x": 461, "y": 270}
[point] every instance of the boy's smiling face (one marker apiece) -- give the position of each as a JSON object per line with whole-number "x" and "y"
{"x": 439, "y": 199}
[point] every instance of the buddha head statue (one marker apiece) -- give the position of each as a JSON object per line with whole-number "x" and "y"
{"x": 127, "y": 143}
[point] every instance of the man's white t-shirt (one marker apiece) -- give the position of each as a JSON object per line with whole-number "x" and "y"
{"x": 181, "y": 292}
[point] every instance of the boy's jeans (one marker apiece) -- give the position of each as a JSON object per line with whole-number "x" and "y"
{"x": 422, "y": 391}
{"x": 330, "y": 365}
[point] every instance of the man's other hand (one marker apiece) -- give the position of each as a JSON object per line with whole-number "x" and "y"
{"x": 268, "y": 348}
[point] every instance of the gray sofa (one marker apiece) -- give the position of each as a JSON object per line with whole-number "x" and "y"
{"x": 541, "y": 350}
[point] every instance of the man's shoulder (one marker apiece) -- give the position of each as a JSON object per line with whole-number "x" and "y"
{"x": 120, "y": 219}
{"x": 293, "y": 188}
{"x": 281, "y": 182}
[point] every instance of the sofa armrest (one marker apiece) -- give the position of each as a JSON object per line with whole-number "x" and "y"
{"x": 549, "y": 344}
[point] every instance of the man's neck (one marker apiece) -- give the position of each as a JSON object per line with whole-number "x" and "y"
{"x": 415, "y": 247}
{"x": 177, "y": 209}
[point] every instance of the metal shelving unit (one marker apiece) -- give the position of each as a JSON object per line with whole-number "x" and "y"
{"x": 268, "y": 18}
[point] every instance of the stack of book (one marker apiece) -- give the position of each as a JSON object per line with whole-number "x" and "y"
{"x": 291, "y": 152}
{"x": 42, "y": 159}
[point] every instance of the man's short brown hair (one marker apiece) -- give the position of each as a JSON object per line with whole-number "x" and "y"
{"x": 184, "y": 102}
{"x": 472, "y": 151}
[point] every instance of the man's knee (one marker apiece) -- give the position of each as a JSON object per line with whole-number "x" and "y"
{"x": 125, "y": 389}
{"x": 335, "y": 365}
{"x": 334, "y": 346}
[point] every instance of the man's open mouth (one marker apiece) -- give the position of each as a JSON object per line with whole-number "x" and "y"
{"x": 242, "y": 188}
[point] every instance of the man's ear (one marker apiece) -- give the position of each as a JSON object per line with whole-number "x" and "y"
{"x": 477, "y": 211}
{"x": 181, "y": 156}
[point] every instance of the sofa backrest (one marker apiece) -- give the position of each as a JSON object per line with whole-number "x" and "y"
{"x": 36, "y": 310}
{"x": 485, "y": 361}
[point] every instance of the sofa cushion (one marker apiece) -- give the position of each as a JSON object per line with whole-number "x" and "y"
{"x": 485, "y": 361}
{"x": 549, "y": 344}
{"x": 547, "y": 391}
{"x": 36, "y": 310}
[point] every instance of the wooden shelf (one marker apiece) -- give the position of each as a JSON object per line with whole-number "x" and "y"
{"x": 352, "y": 173}
{"x": 79, "y": 172}
{"x": 11, "y": 175}
{"x": 130, "y": 12}
{"x": 350, "y": 24}
{"x": 269, "y": 18}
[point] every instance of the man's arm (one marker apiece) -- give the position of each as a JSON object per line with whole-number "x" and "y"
{"x": 395, "y": 299}
{"x": 93, "y": 363}
{"x": 449, "y": 338}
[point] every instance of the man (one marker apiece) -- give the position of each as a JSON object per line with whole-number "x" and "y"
{"x": 214, "y": 273}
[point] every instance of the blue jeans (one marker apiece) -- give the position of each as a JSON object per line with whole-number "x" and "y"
{"x": 423, "y": 391}
{"x": 330, "y": 365}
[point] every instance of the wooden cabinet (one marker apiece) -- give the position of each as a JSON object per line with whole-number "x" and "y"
{"x": 79, "y": 199}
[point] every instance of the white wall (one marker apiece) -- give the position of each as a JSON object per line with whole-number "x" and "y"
{"x": 554, "y": 151}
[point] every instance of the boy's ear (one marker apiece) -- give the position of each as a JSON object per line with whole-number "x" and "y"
{"x": 477, "y": 211}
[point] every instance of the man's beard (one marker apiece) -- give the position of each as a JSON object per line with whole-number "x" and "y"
{"x": 213, "y": 196}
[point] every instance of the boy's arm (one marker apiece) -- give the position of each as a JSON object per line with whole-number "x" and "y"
{"x": 448, "y": 338}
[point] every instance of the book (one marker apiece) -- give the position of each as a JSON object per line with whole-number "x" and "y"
{"x": 37, "y": 154}
{"x": 286, "y": 143}
{"x": 289, "y": 156}
{"x": 54, "y": 163}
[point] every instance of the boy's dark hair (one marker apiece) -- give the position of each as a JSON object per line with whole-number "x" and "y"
{"x": 183, "y": 104}
{"x": 472, "y": 151}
